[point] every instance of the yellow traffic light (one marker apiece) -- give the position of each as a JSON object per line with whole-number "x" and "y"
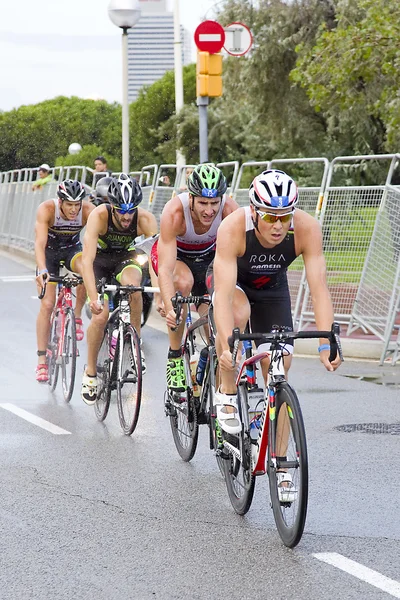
{"x": 209, "y": 74}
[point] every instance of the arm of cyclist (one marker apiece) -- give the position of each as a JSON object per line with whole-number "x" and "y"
{"x": 170, "y": 227}
{"x": 96, "y": 224}
{"x": 147, "y": 223}
{"x": 229, "y": 247}
{"x": 315, "y": 266}
{"x": 41, "y": 233}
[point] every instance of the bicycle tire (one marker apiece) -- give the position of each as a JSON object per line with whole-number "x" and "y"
{"x": 104, "y": 377}
{"x": 52, "y": 352}
{"x": 289, "y": 517}
{"x": 183, "y": 418}
{"x": 129, "y": 380}
{"x": 239, "y": 480}
{"x": 69, "y": 353}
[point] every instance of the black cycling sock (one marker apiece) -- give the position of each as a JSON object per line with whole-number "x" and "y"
{"x": 174, "y": 353}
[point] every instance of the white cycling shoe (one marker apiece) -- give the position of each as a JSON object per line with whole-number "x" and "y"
{"x": 228, "y": 413}
{"x": 287, "y": 492}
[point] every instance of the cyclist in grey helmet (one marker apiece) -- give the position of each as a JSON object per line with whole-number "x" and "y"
{"x": 188, "y": 232}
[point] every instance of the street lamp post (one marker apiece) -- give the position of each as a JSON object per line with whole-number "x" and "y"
{"x": 125, "y": 14}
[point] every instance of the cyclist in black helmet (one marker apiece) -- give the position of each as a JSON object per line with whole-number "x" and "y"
{"x": 186, "y": 246}
{"x": 57, "y": 239}
{"x": 108, "y": 251}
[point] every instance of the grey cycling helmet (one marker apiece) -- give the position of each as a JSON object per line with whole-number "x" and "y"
{"x": 102, "y": 186}
{"x": 207, "y": 181}
{"x": 71, "y": 190}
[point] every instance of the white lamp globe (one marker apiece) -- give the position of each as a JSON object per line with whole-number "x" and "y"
{"x": 124, "y": 13}
{"x": 74, "y": 148}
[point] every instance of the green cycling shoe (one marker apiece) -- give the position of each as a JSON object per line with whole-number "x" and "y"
{"x": 176, "y": 380}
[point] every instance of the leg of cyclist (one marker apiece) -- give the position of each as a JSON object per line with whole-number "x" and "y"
{"x": 43, "y": 331}
{"x": 131, "y": 274}
{"x": 183, "y": 282}
{"x": 95, "y": 334}
{"x": 225, "y": 398}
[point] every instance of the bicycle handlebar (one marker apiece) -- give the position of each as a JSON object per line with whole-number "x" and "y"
{"x": 178, "y": 300}
{"x": 281, "y": 336}
{"x": 67, "y": 281}
{"x": 103, "y": 287}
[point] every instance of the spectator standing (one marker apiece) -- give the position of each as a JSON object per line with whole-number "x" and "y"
{"x": 44, "y": 177}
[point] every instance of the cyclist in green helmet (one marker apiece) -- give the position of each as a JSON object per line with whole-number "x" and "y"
{"x": 186, "y": 247}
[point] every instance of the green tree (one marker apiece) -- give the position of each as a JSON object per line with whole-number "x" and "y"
{"x": 40, "y": 133}
{"x": 352, "y": 74}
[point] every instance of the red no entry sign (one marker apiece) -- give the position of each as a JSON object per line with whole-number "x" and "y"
{"x": 209, "y": 37}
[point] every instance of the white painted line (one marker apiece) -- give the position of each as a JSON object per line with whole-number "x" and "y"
{"x": 210, "y": 37}
{"x": 390, "y": 586}
{"x": 14, "y": 278}
{"x": 20, "y": 412}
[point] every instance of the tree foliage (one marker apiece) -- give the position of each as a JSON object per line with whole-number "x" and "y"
{"x": 352, "y": 74}
{"x": 322, "y": 79}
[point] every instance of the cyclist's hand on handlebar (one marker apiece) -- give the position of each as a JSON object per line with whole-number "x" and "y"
{"x": 225, "y": 361}
{"x": 96, "y": 307}
{"x": 171, "y": 319}
{"x": 324, "y": 358}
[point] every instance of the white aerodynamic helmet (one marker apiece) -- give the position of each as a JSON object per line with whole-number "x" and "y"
{"x": 273, "y": 189}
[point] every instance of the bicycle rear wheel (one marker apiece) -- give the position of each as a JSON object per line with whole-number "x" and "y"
{"x": 104, "y": 369}
{"x": 290, "y": 517}
{"x": 129, "y": 380}
{"x": 68, "y": 358}
{"x": 52, "y": 351}
{"x": 237, "y": 468}
{"x": 183, "y": 417}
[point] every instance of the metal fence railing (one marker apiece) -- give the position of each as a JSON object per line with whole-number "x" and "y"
{"x": 354, "y": 198}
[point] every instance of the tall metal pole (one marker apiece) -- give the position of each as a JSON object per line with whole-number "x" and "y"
{"x": 202, "y": 103}
{"x": 180, "y": 159}
{"x": 125, "y": 103}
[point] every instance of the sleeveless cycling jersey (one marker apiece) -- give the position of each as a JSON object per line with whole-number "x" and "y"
{"x": 192, "y": 244}
{"x": 63, "y": 233}
{"x": 115, "y": 240}
{"x": 264, "y": 268}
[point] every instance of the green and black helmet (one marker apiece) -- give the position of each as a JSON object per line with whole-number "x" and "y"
{"x": 207, "y": 181}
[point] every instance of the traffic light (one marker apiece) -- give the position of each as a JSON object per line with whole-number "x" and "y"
{"x": 209, "y": 74}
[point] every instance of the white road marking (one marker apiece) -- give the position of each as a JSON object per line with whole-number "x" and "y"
{"x": 390, "y": 586}
{"x": 13, "y": 278}
{"x": 20, "y": 412}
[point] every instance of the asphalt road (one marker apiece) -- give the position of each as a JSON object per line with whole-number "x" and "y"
{"x": 93, "y": 514}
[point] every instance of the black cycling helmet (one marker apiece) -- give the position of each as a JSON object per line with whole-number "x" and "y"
{"x": 101, "y": 190}
{"x": 71, "y": 190}
{"x": 207, "y": 181}
{"x": 125, "y": 192}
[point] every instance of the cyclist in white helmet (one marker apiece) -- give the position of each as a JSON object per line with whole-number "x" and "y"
{"x": 255, "y": 246}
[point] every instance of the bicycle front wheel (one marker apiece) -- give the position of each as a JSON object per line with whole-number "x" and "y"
{"x": 104, "y": 367}
{"x": 287, "y": 453}
{"x": 69, "y": 352}
{"x": 183, "y": 417}
{"x": 237, "y": 468}
{"x": 52, "y": 351}
{"x": 129, "y": 381}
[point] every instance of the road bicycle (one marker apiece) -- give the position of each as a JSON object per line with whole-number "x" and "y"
{"x": 195, "y": 406}
{"x": 62, "y": 347}
{"x": 273, "y": 438}
{"x": 119, "y": 363}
